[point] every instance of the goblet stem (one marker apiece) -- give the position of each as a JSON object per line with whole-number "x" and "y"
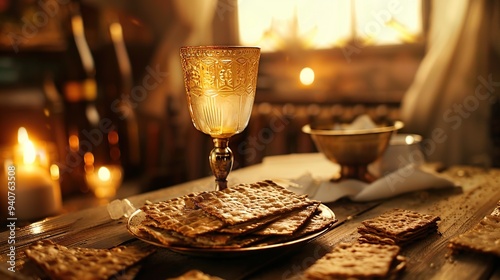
{"x": 221, "y": 162}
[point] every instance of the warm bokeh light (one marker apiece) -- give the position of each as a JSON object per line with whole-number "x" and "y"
{"x": 88, "y": 158}
{"x": 307, "y": 76}
{"x": 409, "y": 139}
{"x": 54, "y": 172}
{"x": 104, "y": 174}
{"x": 116, "y": 31}
{"x": 113, "y": 137}
{"x": 74, "y": 142}
{"x": 92, "y": 115}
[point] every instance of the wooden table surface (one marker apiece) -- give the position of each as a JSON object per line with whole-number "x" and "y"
{"x": 459, "y": 208}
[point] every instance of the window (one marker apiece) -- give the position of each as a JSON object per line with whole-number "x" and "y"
{"x": 321, "y": 24}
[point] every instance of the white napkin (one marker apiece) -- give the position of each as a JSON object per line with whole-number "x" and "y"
{"x": 360, "y": 122}
{"x": 309, "y": 173}
{"x": 407, "y": 179}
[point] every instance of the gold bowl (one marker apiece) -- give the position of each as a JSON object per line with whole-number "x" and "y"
{"x": 352, "y": 149}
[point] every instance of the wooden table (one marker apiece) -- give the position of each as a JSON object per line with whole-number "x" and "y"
{"x": 459, "y": 208}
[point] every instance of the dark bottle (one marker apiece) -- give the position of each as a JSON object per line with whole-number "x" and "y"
{"x": 92, "y": 136}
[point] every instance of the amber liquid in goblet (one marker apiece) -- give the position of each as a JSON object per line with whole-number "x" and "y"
{"x": 220, "y": 86}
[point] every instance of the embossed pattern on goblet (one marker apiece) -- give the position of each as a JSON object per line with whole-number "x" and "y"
{"x": 220, "y": 85}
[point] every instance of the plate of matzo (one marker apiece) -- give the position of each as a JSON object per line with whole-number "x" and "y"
{"x": 240, "y": 219}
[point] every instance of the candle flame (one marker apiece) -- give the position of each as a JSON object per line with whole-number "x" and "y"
{"x": 28, "y": 148}
{"x": 307, "y": 76}
{"x": 22, "y": 135}
{"x": 104, "y": 174}
{"x": 104, "y": 181}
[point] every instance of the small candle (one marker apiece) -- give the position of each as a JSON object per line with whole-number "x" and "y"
{"x": 37, "y": 195}
{"x": 104, "y": 180}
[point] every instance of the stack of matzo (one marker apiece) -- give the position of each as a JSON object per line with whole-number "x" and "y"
{"x": 397, "y": 227}
{"x": 483, "y": 237}
{"x": 358, "y": 261}
{"x": 61, "y": 262}
{"x": 242, "y": 215}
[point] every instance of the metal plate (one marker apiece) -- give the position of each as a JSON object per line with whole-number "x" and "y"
{"x": 138, "y": 216}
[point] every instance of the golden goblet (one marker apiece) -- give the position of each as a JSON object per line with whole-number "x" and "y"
{"x": 220, "y": 85}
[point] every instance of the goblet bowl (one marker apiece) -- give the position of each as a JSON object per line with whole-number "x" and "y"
{"x": 352, "y": 149}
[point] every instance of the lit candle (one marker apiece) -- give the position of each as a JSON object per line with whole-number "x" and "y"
{"x": 37, "y": 194}
{"x": 104, "y": 180}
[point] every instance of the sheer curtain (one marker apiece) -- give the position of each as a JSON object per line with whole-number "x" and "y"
{"x": 449, "y": 101}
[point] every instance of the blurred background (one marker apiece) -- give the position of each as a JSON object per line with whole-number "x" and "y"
{"x": 98, "y": 82}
